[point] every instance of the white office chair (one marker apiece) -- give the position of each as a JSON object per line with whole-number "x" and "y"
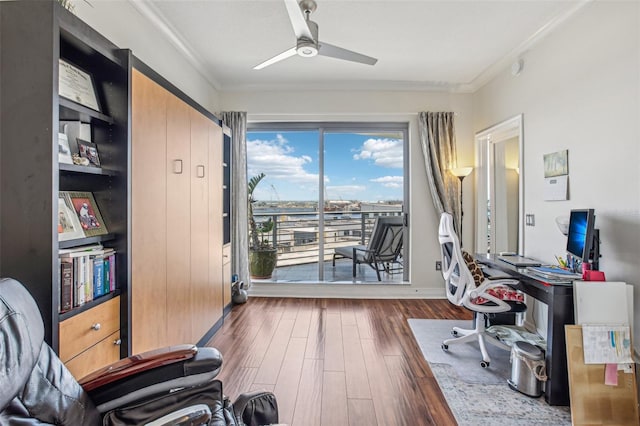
{"x": 461, "y": 290}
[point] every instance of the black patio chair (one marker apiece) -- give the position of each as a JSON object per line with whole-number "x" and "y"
{"x": 383, "y": 250}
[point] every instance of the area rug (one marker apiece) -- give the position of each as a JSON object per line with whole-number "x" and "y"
{"x": 479, "y": 396}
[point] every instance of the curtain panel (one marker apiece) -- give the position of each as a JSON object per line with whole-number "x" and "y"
{"x": 237, "y": 122}
{"x": 438, "y": 143}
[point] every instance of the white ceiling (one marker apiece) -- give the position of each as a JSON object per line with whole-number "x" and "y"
{"x": 441, "y": 45}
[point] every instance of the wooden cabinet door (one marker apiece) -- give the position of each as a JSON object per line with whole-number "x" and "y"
{"x": 226, "y": 275}
{"x": 179, "y": 171}
{"x": 201, "y": 292}
{"x": 215, "y": 222}
{"x": 148, "y": 215}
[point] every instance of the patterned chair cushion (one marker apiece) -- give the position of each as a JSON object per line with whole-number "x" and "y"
{"x": 501, "y": 292}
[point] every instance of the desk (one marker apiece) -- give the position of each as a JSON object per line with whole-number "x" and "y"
{"x": 559, "y": 301}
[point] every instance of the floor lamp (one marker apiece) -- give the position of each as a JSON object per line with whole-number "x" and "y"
{"x": 461, "y": 173}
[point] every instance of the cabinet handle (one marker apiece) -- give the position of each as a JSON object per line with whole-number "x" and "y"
{"x": 96, "y": 326}
{"x": 177, "y": 167}
{"x": 117, "y": 342}
{"x": 200, "y": 171}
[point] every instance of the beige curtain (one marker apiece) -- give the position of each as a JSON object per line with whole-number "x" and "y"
{"x": 438, "y": 142}
{"x": 237, "y": 122}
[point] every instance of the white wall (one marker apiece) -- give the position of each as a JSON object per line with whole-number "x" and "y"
{"x": 401, "y": 106}
{"x": 124, "y": 26}
{"x": 580, "y": 90}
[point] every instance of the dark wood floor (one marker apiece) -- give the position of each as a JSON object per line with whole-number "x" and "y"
{"x": 335, "y": 362}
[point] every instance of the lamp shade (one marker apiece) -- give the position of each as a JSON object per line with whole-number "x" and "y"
{"x": 461, "y": 171}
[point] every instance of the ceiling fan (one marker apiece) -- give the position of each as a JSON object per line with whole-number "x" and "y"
{"x": 307, "y": 44}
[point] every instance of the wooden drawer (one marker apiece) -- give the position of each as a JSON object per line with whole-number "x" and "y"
{"x": 105, "y": 352}
{"x": 84, "y": 330}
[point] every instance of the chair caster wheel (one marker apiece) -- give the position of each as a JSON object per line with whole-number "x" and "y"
{"x": 484, "y": 364}
{"x": 444, "y": 347}
{"x": 454, "y": 333}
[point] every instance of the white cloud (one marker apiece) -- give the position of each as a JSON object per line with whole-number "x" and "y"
{"x": 383, "y": 152}
{"x": 389, "y": 181}
{"x": 277, "y": 160}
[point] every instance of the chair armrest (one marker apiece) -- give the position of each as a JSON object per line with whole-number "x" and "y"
{"x": 150, "y": 373}
{"x": 482, "y": 291}
{"x": 137, "y": 363}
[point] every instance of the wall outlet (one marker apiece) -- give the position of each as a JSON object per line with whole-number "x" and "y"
{"x": 438, "y": 265}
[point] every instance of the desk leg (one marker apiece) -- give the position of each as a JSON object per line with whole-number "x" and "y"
{"x": 560, "y": 313}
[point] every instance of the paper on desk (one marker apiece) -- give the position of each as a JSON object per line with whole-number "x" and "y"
{"x": 606, "y": 344}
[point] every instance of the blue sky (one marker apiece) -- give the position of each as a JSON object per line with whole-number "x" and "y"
{"x": 357, "y": 166}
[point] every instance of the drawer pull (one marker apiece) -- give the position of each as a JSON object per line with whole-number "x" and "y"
{"x": 177, "y": 167}
{"x": 117, "y": 342}
{"x": 96, "y": 326}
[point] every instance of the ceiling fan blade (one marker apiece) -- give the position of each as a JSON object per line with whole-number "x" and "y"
{"x": 297, "y": 18}
{"x": 326, "y": 49}
{"x": 284, "y": 55}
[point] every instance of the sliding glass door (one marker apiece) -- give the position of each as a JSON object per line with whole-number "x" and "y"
{"x": 324, "y": 187}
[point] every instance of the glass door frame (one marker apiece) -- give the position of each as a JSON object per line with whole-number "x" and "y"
{"x": 348, "y": 127}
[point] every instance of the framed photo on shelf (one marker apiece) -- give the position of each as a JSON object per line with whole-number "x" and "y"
{"x": 85, "y": 207}
{"x": 64, "y": 152}
{"x": 89, "y": 150}
{"x": 77, "y": 85}
{"x": 68, "y": 224}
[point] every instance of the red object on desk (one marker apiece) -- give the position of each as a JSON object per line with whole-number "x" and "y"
{"x": 590, "y": 275}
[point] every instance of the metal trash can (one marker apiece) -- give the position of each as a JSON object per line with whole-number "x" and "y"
{"x": 528, "y": 369}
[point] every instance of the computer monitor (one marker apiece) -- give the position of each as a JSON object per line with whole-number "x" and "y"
{"x": 581, "y": 235}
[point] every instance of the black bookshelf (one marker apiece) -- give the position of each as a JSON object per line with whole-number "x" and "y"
{"x": 34, "y": 35}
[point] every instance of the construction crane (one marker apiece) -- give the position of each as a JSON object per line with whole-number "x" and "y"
{"x": 273, "y": 188}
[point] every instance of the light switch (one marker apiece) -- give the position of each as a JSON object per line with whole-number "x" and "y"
{"x": 530, "y": 219}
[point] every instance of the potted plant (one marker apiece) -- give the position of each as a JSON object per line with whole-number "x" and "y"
{"x": 262, "y": 254}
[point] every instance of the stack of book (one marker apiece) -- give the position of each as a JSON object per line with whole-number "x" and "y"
{"x": 86, "y": 273}
{"x": 553, "y": 273}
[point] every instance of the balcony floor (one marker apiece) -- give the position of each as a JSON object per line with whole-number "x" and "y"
{"x": 341, "y": 274}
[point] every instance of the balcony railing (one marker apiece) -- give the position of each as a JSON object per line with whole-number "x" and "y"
{"x": 297, "y": 237}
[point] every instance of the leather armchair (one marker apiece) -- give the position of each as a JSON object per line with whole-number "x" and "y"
{"x": 169, "y": 386}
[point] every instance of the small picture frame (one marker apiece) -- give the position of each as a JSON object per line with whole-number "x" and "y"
{"x": 77, "y": 85}
{"x": 89, "y": 150}
{"x": 64, "y": 152}
{"x": 85, "y": 207}
{"x": 68, "y": 224}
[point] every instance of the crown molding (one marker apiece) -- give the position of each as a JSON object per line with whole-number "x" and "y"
{"x": 493, "y": 70}
{"x": 147, "y": 9}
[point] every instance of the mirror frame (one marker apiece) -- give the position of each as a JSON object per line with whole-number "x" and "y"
{"x": 484, "y": 139}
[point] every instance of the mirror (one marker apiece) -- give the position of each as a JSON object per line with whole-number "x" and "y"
{"x": 499, "y": 188}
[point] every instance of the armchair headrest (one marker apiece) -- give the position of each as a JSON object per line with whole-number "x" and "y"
{"x": 21, "y": 337}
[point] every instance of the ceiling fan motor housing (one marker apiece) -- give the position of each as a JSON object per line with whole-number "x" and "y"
{"x": 305, "y": 47}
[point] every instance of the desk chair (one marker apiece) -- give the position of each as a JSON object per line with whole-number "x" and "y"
{"x": 175, "y": 386}
{"x": 482, "y": 297}
{"x": 383, "y": 249}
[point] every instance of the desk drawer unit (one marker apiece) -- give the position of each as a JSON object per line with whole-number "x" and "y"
{"x": 81, "y": 332}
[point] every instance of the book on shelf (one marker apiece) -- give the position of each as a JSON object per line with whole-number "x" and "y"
{"x": 98, "y": 276}
{"x": 90, "y": 274}
{"x": 66, "y": 285}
